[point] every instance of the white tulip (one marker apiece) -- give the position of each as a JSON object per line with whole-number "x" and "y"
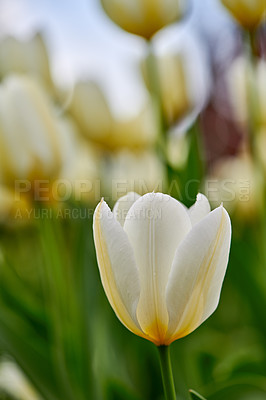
{"x": 162, "y": 266}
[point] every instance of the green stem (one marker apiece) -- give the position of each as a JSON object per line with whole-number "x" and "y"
{"x": 155, "y": 91}
{"x": 167, "y": 374}
{"x": 252, "y": 43}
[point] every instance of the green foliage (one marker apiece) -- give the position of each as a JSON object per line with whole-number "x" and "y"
{"x": 195, "y": 396}
{"x": 57, "y": 324}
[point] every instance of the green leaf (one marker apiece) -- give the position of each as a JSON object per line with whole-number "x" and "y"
{"x": 118, "y": 391}
{"x": 196, "y": 396}
{"x": 35, "y": 365}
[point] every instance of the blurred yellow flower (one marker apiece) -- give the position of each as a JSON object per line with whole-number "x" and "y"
{"x": 248, "y": 13}
{"x": 162, "y": 266}
{"x": 12, "y": 209}
{"x": 28, "y": 57}
{"x": 144, "y": 17}
{"x": 125, "y": 170}
{"x": 237, "y": 183}
{"x": 92, "y": 114}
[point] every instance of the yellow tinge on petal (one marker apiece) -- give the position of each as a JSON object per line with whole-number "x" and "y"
{"x": 155, "y": 225}
{"x": 195, "y": 311}
{"x": 107, "y": 272}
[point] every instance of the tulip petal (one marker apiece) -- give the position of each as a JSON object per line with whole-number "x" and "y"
{"x": 200, "y": 209}
{"x": 155, "y": 225}
{"x": 117, "y": 266}
{"x": 123, "y": 205}
{"x": 197, "y": 274}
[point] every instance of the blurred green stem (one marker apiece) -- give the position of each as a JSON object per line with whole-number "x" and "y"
{"x": 167, "y": 374}
{"x": 153, "y": 79}
{"x": 252, "y": 43}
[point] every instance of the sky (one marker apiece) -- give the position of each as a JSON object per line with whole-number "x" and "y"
{"x": 84, "y": 43}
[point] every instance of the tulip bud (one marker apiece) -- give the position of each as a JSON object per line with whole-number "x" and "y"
{"x": 144, "y": 17}
{"x": 162, "y": 265}
{"x": 90, "y": 109}
{"x": 26, "y": 57}
{"x": 248, "y": 13}
{"x": 29, "y": 140}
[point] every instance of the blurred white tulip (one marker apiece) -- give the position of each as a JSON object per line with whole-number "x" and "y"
{"x": 80, "y": 173}
{"x": 246, "y": 85}
{"x": 183, "y": 74}
{"x": 177, "y": 150}
{"x": 238, "y": 184}
{"x": 28, "y": 57}
{"x": 29, "y": 140}
{"x": 42, "y": 157}
{"x": 125, "y": 170}
{"x": 14, "y": 383}
{"x": 162, "y": 266}
{"x": 91, "y": 112}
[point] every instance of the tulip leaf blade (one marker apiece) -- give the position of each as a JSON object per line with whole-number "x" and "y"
{"x": 195, "y": 396}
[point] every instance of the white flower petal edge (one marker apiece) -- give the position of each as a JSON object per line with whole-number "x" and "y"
{"x": 155, "y": 225}
{"x": 197, "y": 274}
{"x": 200, "y": 209}
{"x": 117, "y": 266}
{"x": 123, "y": 205}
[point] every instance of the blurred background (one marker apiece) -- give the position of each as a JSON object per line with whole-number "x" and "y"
{"x": 99, "y": 98}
